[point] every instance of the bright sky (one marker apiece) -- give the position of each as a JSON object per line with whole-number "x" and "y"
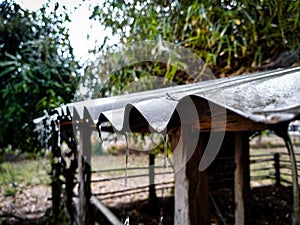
{"x": 84, "y": 33}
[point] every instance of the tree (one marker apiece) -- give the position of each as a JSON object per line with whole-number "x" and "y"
{"x": 37, "y": 70}
{"x": 230, "y": 36}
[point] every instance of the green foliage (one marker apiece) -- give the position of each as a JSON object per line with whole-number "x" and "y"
{"x": 17, "y": 175}
{"x": 37, "y": 70}
{"x": 228, "y": 35}
{"x": 63, "y": 218}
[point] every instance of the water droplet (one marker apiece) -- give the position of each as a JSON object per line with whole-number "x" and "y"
{"x": 165, "y": 151}
{"x": 165, "y": 163}
{"x": 126, "y": 221}
{"x": 126, "y": 160}
{"x": 161, "y": 218}
{"x": 58, "y": 135}
{"x": 98, "y": 127}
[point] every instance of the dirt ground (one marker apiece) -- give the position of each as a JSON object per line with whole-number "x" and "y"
{"x": 270, "y": 205}
{"x": 28, "y": 206}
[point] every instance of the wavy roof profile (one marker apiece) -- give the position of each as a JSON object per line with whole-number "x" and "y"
{"x": 267, "y": 98}
{"x": 264, "y": 98}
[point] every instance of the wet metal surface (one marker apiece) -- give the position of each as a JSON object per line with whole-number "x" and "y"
{"x": 269, "y": 98}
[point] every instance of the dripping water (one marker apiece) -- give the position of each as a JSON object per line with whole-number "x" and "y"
{"x": 58, "y": 134}
{"x": 47, "y": 132}
{"x": 98, "y": 127}
{"x": 165, "y": 150}
{"x": 126, "y": 222}
{"x": 165, "y": 166}
{"x": 161, "y": 218}
{"x": 126, "y": 159}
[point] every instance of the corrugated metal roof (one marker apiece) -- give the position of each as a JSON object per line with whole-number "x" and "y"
{"x": 266, "y": 98}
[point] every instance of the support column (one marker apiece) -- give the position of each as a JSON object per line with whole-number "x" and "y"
{"x": 241, "y": 178}
{"x": 277, "y": 168}
{"x": 191, "y": 185}
{"x": 55, "y": 173}
{"x": 84, "y": 175}
{"x": 152, "y": 190}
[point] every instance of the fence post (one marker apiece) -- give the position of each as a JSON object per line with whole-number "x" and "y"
{"x": 55, "y": 173}
{"x": 277, "y": 168}
{"x": 152, "y": 191}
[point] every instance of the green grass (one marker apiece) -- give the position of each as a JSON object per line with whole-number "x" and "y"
{"x": 16, "y": 175}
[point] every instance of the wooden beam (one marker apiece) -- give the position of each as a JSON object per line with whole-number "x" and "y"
{"x": 233, "y": 122}
{"x": 191, "y": 185}
{"x": 241, "y": 178}
{"x": 198, "y": 185}
{"x": 84, "y": 175}
{"x": 181, "y": 211}
{"x": 152, "y": 191}
{"x": 55, "y": 174}
{"x": 105, "y": 211}
{"x": 223, "y": 119}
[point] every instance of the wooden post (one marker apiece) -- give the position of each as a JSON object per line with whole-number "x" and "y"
{"x": 56, "y": 170}
{"x": 241, "y": 178}
{"x": 277, "y": 168}
{"x": 191, "y": 185}
{"x": 84, "y": 175}
{"x": 152, "y": 191}
{"x": 105, "y": 211}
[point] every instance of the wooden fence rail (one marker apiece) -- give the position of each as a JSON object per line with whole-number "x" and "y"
{"x": 129, "y": 176}
{"x": 278, "y": 168}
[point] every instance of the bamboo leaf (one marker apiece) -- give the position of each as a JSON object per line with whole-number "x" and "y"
{"x": 7, "y": 71}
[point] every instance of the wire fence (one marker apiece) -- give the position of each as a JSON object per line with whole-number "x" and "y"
{"x": 265, "y": 169}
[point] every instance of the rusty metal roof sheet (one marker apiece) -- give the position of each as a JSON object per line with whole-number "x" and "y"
{"x": 268, "y": 98}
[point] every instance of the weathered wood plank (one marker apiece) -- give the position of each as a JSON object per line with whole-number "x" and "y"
{"x": 191, "y": 186}
{"x": 105, "y": 211}
{"x": 152, "y": 191}
{"x": 181, "y": 213}
{"x": 55, "y": 173}
{"x": 241, "y": 178}
{"x": 84, "y": 175}
{"x": 214, "y": 118}
{"x": 198, "y": 185}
